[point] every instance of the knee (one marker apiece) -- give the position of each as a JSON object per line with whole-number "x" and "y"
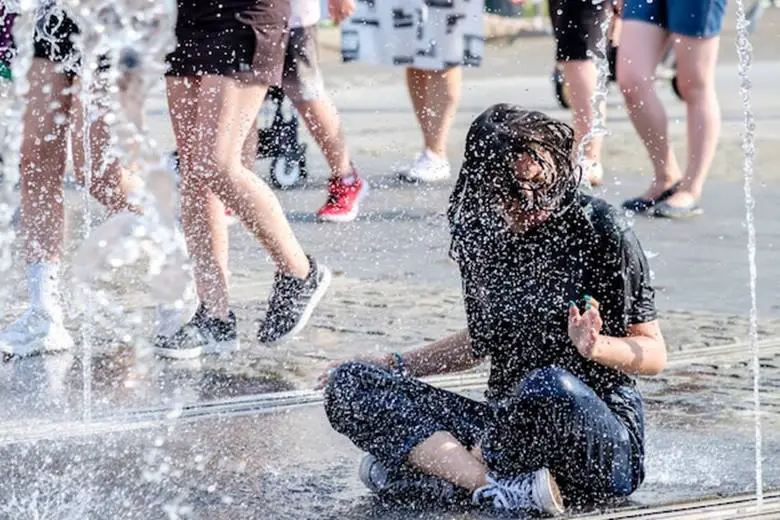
{"x": 346, "y": 384}
{"x": 633, "y": 80}
{"x": 211, "y": 163}
{"x": 550, "y": 386}
{"x": 694, "y": 88}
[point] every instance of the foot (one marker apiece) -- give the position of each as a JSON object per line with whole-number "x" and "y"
{"x": 404, "y": 483}
{"x": 682, "y": 205}
{"x": 592, "y": 172}
{"x": 344, "y": 199}
{"x": 428, "y": 167}
{"x": 531, "y": 492}
{"x": 35, "y": 332}
{"x": 292, "y": 302}
{"x": 651, "y": 198}
{"x": 202, "y": 335}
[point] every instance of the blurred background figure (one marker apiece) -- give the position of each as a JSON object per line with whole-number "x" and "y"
{"x": 693, "y": 28}
{"x": 432, "y": 40}
{"x": 578, "y": 28}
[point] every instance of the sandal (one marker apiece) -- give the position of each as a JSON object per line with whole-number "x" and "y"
{"x": 642, "y": 205}
{"x": 666, "y": 210}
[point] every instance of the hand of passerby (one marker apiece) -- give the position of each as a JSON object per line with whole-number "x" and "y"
{"x": 584, "y": 328}
{"x": 322, "y": 381}
{"x": 340, "y": 10}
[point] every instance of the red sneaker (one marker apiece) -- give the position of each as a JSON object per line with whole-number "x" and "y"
{"x": 343, "y": 200}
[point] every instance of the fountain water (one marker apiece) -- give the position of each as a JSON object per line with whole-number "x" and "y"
{"x": 110, "y": 30}
{"x": 601, "y": 59}
{"x": 744, "y": 51}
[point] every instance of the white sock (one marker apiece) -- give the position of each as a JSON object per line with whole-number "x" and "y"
{"x": 43, "y": 287}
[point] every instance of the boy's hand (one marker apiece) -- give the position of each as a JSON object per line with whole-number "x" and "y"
{"x": 584, "y": 329}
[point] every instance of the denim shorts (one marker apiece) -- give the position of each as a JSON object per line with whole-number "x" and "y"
{"x": 694, "y": 18}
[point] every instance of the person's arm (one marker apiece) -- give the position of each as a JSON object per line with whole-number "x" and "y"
{"x": 450, "y": 354}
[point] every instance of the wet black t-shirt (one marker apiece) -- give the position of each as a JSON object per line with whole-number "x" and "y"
{"x": 517, "y": 288}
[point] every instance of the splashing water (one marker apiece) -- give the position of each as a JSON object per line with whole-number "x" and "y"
{"x": 598, "y": 126}
{"x": 14, "y": 100}
{"x": 745, "y": 51}
{"x": 110, "y": 31}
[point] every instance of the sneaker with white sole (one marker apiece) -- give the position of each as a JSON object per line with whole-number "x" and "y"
{"x": 292, "y": 303}
{"x": 427, "y": 167}
{"x": 35, "y": 332}
{"x": 406, "y": 484}
{"x": 202, "y": 335}
{"x": 530, "y": 492}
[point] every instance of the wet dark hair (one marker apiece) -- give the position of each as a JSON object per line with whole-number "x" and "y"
{"x": 496, "y": 140}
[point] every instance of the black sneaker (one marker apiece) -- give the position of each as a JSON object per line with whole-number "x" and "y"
{"x": 291, "y": 303}
{"x": 407, "y": 485}
{"x": 202, "y": 335}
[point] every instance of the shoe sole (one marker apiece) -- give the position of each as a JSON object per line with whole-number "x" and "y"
{"x": 322, "y": 288}
{"x": 406, "y": 176}
{"x": 216, "y": 348}
{"x": 364, "y": 472}
{"x": 36, "y": 348}
{"x": 546, "y": 492}
{"x": 352, "y": 215}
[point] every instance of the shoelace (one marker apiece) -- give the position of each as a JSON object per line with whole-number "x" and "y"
{"x": 509, "y": 495}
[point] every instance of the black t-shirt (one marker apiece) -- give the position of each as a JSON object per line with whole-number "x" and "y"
{"x": 517, "y": 288}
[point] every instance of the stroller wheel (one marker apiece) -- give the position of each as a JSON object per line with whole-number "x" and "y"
{"x": 561, "y": 92}
{"x": 288, "y": 171}
{"x": 676, "y": 88}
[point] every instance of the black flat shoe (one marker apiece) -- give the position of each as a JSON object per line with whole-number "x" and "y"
{"x": 642, "y": 205}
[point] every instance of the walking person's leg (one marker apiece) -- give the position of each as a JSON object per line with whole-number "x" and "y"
{"x": 43, "y": 157}
{"x": 695, "y": 27}
{"x": 642, "y": 44}
{"x": 303, "y": 84}
{"x": 435, "y": 95}
{"x": 577, "y": 27}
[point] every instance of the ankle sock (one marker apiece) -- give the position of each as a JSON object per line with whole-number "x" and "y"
{"x": 43, "y": 286}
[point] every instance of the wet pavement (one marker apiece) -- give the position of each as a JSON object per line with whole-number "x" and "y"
{"x": 202, "y": 453}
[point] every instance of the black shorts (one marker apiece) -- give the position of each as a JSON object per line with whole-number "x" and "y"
{"x": 58, "y": 45}
{"x": 238, "y": 38}
{"x": 577, "y": 27}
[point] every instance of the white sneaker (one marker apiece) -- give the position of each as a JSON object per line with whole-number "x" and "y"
{"x": 35, "y": 332}
{"x": 428, "y": 167}
{"x": 535, "y": 492}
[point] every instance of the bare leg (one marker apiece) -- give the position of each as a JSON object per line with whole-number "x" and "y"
{"x": 227, "y": 110}
{"x": 441, "y": 455}
{"x": 206, "y": 221}
{"x": 441, "y": 102}
{"x": 417, "y": 84}
{"x": 43, "y": 162}
{"x": 109, "y": 185}
{"x": 696, "y": 59}
{"x": 323, "y": 122}
{"x": 641, "y": 47}
{"x": 582, "y": 79}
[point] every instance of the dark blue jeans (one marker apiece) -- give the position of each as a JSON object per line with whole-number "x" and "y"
{"x": 593, "y": 446}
